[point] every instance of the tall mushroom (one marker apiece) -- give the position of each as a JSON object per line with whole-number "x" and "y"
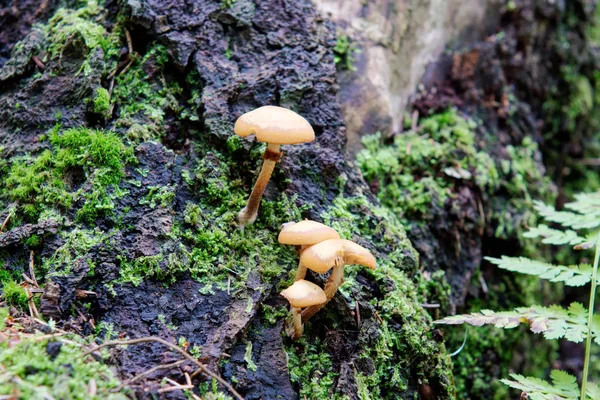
{"x": 302, "y": 294}
{"x": 275, "y": 126}
{"x": 305, "y": 233}
{"x": 333, "y": 253}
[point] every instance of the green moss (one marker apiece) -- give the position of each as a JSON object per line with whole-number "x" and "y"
{"x": 273, "y": 314}
{"x": 76, "y": 248}
{"x": 344, "y": 51}
{"x": 311, "y": 367}
{"x": 41, "y": 184}
{"x": 248, "y": 358}
{"x": 101, "y": 101}
{"x": 139, "y": 269}
{"x": 33, "y": 241}
{"x": 145, "y": 98}
{"x": 14, "y": 294}
{"x": 77, "y": 29}
{"x": 159, "y": 195}
{"x": 29, "y": 370}
{"x": 420, "y": 171}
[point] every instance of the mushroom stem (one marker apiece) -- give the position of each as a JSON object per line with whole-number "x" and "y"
{"x": 271, "y": 157}
{"x": 300, "y": 272}
{"x": 333, "y": 283}
{"x": 297, "y": 320}
{"x": 302, "y": 269}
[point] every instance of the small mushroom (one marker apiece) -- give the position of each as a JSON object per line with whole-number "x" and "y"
{"x": 302, "y": 294}
{"x": 333, "y": 253}
{"x": 275, "y": 126}
{"x": 305, "y": 233}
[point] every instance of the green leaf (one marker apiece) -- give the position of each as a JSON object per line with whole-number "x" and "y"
{"x": 574, "y": 275}
{"x": 553, "y": 322}
{"x": 563, "y": 386}
{"x": 584, "y": 212}
{"x": 555, "y": 236}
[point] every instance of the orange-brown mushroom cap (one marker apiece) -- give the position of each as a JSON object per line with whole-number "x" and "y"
{"x": 321, "y": 257}
{"x": 276, "y": 125}
{"x": 306, "y": 233}
{"x": 304, "y": 294}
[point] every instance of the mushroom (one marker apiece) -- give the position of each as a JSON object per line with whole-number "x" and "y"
{"x": 275, "y": 126}
{"x": 333, "y": 253}
{"x": 305, "y": 233}
{"x": 302, "y": 294}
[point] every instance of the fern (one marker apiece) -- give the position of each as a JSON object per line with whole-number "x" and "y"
{"x": 575, "y": 323}
{"x": 562, "y": 386}
{"x": 553, "y": 322}
{"x": 574, "y": 275}
{"x": 555, "y": 236}
{"x": 570, "y": 219}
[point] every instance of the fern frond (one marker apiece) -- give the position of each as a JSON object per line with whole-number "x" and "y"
{"x": 574, "y": 275}
{"x": 555, "y": 236}
{"x": 562, "y": 386}
{"x": 586, "y": 203}
{"x": 553, "y": 322}
{"x": 566, "y": 218}
{"x": 584, "y": 214}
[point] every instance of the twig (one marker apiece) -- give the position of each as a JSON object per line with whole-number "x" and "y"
{"x": 31, "y": 269}
{"x": 415, "y": 120}
{"x": 173, "y": 388}
{"x": 201, "y": 366}
{"x": 129, "y": 64}
{"x": 483, "y": 284}
{"x": 28, "y": 279}
{"x": 5, "y": 222}
{"x": 432, "y": 305}
{"x": 38, "y": 62}
{"x": 129, "y": 42}
{"x": 357, "y": 313}
{"x": 92, "y": 387}
{"x": 136, "y": 378}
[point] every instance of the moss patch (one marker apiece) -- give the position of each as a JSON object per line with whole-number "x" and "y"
{"x": 422, "y": 168}
{"x": 53, "y": 181}
{"x": 34, "y": 367}
{"x": 14, "y": 294}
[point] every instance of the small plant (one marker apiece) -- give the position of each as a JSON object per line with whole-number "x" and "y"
{"x": 578, "y": 227}
{"x": 14, "y": 294}
{"x": 343, "y": 52}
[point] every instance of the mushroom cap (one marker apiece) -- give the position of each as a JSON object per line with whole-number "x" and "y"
{"x": 321, "y": 257}
{"x": 305, "y": 233}
{"x": 276, "y": 125}
{"x": 304, "y": 294}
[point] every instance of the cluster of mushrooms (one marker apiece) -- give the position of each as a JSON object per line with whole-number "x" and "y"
{"x": 320, "y": 246}
{"x": 321, "y": 250}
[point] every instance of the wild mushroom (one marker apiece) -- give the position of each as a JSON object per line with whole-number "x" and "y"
{"x": 333, "y": 253}
{"x": 275, "y": 126}
{"x": 302, "y": 294}
{"x": 304, "y": 234}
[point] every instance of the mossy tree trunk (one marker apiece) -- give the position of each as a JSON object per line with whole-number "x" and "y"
{"x": 120, "y": 171}
{"x": 123, "y": 175}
